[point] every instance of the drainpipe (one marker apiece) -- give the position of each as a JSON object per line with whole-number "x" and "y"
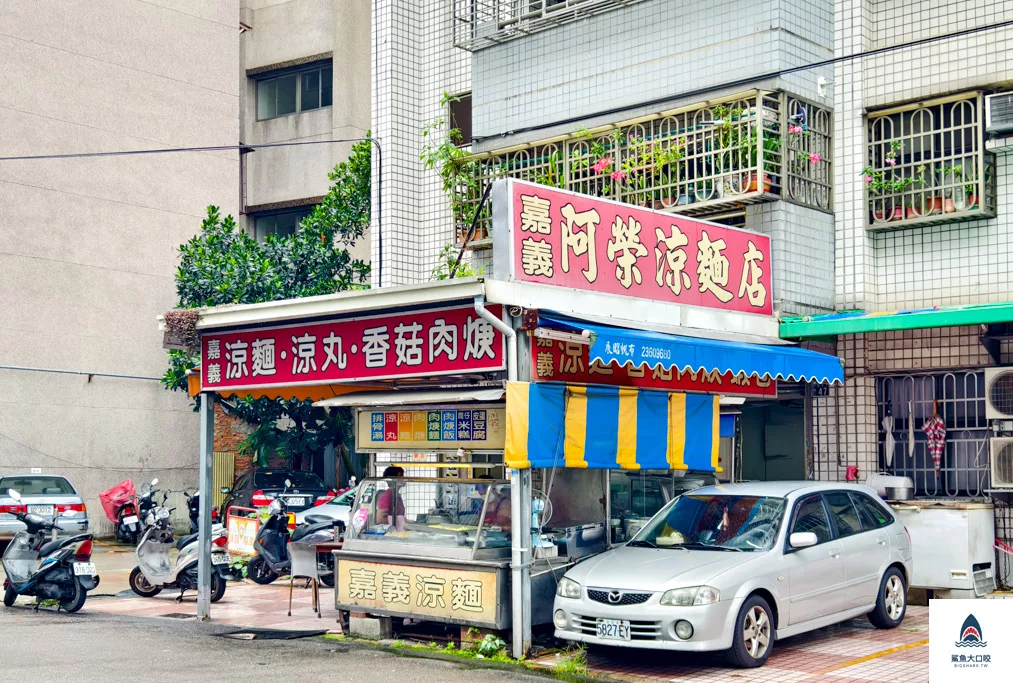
{"x": 508, "y": 332}
{"x": 520, "y": 491}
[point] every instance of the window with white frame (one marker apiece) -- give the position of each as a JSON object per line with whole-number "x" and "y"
{"x": 294, "y": 91}
{"x": 927, "y": 163}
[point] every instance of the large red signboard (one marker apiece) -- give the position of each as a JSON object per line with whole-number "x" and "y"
{"x": 556, "y": 361}
{"x": 410, "y": 344}
{"x": 572, "y": 240}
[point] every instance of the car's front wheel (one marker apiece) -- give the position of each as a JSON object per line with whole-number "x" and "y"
{"x": 754, "y": 634}
{"x": 891, "y": 604}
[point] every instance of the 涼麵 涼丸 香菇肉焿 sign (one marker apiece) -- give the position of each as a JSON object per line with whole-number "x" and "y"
{"x": 572, "y": 240}
{"x": 417, "y": 343}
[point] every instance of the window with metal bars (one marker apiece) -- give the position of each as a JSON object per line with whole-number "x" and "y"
{"x": 927, "y": 164}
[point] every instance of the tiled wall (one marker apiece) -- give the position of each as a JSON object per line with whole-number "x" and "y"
{"x": 414, "y": 63}
{"x": 656, "y": 49}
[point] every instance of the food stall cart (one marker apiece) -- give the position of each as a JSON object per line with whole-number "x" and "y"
{"x": 588, "y": 368}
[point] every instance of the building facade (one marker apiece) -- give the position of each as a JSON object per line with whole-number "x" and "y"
{"x": 305, "y": 78}
{"x": 89, "y": 245}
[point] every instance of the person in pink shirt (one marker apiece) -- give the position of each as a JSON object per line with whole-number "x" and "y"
{"x": 387, "y": 510}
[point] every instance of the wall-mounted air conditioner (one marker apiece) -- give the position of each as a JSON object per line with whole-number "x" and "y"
{"x": 1001, "y": 452}
{"x": 999, "y": 113}
{"x": 999, "y": 393}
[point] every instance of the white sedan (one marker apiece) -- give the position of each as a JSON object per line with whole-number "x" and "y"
{"x": 737, "y": 567}
{"x": 337, "y": 509}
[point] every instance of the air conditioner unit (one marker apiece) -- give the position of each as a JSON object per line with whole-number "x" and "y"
{"x": 998, "y": 393}
{"x": 999, "y": 113}
{"x": 1001, "y": 451}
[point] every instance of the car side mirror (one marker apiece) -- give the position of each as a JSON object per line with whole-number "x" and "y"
{"x": 225, "y": 490}
{"x": 803, "y": 539}
{"x": 154, "y": 481}
{"x": 14, "y": 494}
{"x": 288, "y": 484}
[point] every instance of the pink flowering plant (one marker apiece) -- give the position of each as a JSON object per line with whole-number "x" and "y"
{"x": 649, "y": 167}
{"x": 890, "y": 180}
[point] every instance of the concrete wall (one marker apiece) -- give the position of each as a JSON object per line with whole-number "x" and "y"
{"x": 89, "y": 246}
{"x": 284, "y": 31}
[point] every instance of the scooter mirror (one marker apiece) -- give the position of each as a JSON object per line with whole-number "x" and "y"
{"x": 14, "y": 494}
{"x": 226, "y": 490}
{"x": 154, "y": 481}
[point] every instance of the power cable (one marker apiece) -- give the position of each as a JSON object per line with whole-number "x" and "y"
{"x": 69, "y": 464}
{"x": 749, "y": 80}
{"x": 23, "y": 368}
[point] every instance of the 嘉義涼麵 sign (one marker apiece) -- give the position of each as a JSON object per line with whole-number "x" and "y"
{"x": 571, "y": 240}
{"x": 407, "y": 344}
{"x": 432, "y": 429}
{"x": 424, "y": 591}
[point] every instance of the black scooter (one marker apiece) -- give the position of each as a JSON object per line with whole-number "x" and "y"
{"x": 58, "y": 570}
{"x": 272, "y": 559}
{"x": 193, "y": 508}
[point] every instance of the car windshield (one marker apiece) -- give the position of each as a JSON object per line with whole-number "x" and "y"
{"x": 276, "y": 480}
{"x": 715, "y": 522}
{"x": 37, "y": 486}
{"x": 345, "y": 499}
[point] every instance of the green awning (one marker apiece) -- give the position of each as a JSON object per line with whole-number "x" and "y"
{"x": 858, "y": 322}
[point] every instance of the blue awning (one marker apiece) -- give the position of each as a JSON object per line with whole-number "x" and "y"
{"x": 621, "y": 345}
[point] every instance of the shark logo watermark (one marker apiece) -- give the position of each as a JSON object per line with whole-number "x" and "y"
{"x": 971, "y": 634}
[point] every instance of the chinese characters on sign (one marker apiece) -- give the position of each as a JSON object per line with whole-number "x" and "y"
{"x": 432, "y": 429}
{"x": 570, "y": 240}
{"x": 449, "y": 593}
{"x": 410, "y": 344}
{"x": 556, "y": 361}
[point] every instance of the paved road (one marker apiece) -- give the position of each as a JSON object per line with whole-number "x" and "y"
{"x": 96, "y": 647}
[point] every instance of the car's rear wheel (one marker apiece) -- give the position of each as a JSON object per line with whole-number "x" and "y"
{"x": 891, "y": 604}
{"x": 754, "y": 634}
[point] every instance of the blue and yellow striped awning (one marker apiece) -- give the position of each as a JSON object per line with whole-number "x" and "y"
{"x": 599, "y": 427}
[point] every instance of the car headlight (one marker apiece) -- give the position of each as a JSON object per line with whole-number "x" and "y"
{"x": 694, "y": 595}
{"x": 568, "y": 588}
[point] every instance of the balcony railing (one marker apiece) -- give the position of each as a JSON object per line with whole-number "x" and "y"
{"x": 481, "y": 23}
{"x": 928, "y": 165}
{"x": 705, "y": 160}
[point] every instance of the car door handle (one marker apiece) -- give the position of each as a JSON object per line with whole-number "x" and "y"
{"x": 835, "y": 554}
{"x": 881, "y": 541}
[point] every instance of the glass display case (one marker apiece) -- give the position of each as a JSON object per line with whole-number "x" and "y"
{"x": 465, "y": 519}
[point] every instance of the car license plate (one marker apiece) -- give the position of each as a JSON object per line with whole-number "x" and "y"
{"x": 219, "y": 558}
{"x": 295, "y": 501}
{"x": 84, "y": 569}
{"x": 44, "y": 510}
{"x": 613, "y": 629}
{"x": 130, "y": 519}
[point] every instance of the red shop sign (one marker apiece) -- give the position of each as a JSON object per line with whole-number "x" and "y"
{"x": 571, "y": 240}
{"x": 419, "y": 343}
{"x": 556, "y": 361}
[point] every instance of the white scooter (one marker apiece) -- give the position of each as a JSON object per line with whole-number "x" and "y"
{"x": 154, "y": 572}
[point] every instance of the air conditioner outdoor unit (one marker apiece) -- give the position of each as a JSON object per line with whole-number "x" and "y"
{"x": 999, "y": 113}
{"x": 1001, "y": 451}
{"x": 998, "y": 393}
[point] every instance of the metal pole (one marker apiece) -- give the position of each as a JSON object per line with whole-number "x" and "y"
{"x": 518, "y": 560}
{"x": 528, "y": 556}
{"x": 204, "y": 567}
{"x": 508, "y": 332}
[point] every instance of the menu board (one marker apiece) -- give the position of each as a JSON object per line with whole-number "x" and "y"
{"x": 446, "y": 428}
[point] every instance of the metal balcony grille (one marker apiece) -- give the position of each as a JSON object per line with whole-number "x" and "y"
{"x": 705, "y": 160}
{"x": 481, "y": 23}
{"x": 928, "y": 164}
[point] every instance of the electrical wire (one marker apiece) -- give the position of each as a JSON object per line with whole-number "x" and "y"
{"x": 71, "y": 465}
{"x": 749, "y": 80}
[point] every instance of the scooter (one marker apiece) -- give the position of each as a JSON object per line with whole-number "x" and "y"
{"x": 153, "y": 572}
{"x": 193, "y": 507}
{"x": 129, "y": 516}
{"x": 65, "y": 572}
{"x": 272, "y": 559}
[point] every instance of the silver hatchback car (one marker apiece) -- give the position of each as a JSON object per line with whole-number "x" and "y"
{"x": 50, "y": 496}
{"x": 738, "y": 566}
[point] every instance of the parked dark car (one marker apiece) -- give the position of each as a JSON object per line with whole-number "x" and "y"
{"x": 258, "y": 489}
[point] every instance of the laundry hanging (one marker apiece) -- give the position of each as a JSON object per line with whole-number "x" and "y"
{"x": 888, "y": 444}
{"x": 911, "y": 430}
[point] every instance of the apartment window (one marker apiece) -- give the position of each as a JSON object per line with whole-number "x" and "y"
{"x": 460, "y": 118}
{"x": 281, "y": 223}
{"x": 927, "y": 164}
{"x": 293, "y": 92}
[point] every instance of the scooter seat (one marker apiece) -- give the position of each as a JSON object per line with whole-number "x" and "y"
{"x": 303, "y": 531}
{"x": 53, "y": 546}
{"x": 185, "y": 541}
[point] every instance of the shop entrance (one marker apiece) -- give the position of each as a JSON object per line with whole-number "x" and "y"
{"x": 773, "y": 441}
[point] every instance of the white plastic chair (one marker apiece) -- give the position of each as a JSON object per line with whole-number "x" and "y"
{"x": 304, "y": 566}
